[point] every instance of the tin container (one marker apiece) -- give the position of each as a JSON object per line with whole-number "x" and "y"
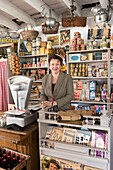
{"x": 80, "y": 41}
{"x": 77, "y": 35}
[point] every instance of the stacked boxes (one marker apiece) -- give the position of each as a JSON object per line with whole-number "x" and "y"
{"x": 77, "y": 43}
{"x": 92, "y": 87}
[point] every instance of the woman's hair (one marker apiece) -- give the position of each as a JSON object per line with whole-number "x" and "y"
{"x": 56, "y": 57}
{"x": 53, "y": 161}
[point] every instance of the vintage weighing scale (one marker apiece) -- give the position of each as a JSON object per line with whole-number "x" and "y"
{"x": 20, "y": 87}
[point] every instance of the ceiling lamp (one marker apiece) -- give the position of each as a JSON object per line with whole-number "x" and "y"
{"x": 50, "y": 26}
{"x": 102, "y": 15}
{"x": 50, "y": 21}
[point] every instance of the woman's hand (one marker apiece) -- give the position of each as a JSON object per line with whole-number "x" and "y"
{"x": 46, "y": 104}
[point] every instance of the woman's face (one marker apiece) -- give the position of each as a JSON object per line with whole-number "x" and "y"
{"x": 52, "y": 167}
{"x": 55, "y": 66}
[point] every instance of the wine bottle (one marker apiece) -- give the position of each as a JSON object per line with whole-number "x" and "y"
{"x": 4, "y": 164}
{"x": 14, "y": 162}
{"x": 9, "y": 162}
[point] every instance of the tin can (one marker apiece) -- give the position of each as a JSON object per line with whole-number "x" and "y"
{"x": 77, "y": 35}
{"x": 74, "y": 41}
{"x": 80, "y": 41}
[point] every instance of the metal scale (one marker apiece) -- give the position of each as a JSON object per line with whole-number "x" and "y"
{"x": 20, "y": 87}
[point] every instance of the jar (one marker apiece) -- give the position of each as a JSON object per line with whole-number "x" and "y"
{"x": 49, "y": 44}
{"x": 33, "y": 51}
{"x": 34, "y": 43}
{"x": 111, "y": 41}
{"x": 38, "y": 41}
{"x": 105, "y": 45}
{"x": 104, "y": 38}
{"x": 37, "y": 50}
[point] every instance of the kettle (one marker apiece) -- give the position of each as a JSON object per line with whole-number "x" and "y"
{"x": 101, "y": 16}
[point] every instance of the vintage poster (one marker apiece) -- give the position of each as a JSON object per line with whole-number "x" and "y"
{"x": 54, "y": 39}
{"x": 64, "y": 37}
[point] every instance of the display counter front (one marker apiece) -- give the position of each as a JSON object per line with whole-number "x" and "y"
{"x": 25, "y": 141}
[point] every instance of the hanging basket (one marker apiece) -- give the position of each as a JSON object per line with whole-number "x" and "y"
{"x": 74, "y": 22}
{"x": 46, "y": 29}
{"x": 29, "y": 34}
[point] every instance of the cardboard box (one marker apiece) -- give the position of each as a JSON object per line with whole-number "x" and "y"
{"x": 26, "y": 163}
{"x": 74, "y": 57}
{"x": 84, "y": 57}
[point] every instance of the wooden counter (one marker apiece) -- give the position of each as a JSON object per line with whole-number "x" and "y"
{"x": 25, "y": 142}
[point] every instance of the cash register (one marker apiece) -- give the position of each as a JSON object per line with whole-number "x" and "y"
{"x": 20, "y": 87}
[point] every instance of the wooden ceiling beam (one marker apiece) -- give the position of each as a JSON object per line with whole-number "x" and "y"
{"x": 8, "y": 23}
{"x": 37, "y": 4}
{"x": 78, "y": 10}
{"x": 16, "y": 12}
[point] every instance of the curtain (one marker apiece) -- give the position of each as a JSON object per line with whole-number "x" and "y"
{"x": 4, "y": 91}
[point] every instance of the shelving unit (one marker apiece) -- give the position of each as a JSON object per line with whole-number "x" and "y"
{"x": 35, "y": 66}
{"x": 78, "y": 153}
{"x": 75, "y": 58}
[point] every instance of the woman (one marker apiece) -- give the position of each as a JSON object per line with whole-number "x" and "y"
{"x": 57, "y": 87}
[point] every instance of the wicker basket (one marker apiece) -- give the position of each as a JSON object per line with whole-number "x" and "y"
{"x": 29, "y": 33}
{"x": 50, "y": 30}
{"x": 74, "y": 22}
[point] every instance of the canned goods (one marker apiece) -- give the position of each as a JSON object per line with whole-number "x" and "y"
{"x": 78, "y": 47}
{"x": 74, "y": 41}
{"x": 77, "y": 35}
{"x": 83, "y": 46}
{"x": 80, "y": 41}
{"x": 72, "y": 47}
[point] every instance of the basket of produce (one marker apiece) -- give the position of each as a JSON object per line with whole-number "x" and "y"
{"x": 29, "y": 33}
{"x": 47, "y": 29}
